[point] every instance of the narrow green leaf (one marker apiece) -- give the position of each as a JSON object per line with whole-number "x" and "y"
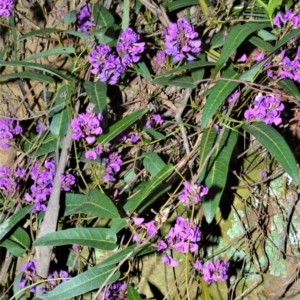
{"x": 205, "y": 291}
{"x": 153, "y": 163}
{"x": 14, "y": 248}
{"x": 82, "y": 283}
{"x": 218, "y": 95}
{"x": 290, "y": 87}
{"x": 73, "y": 201}
{"x": 142, "y": 69}
{"x": 99, "y": 205}
{"x": 60, "y": 122}
{"x": 120, "y": 126}
{"x": 273, "y": 141}
{"x": 154, "y": 133}
{"x": 117, "y": 225}
{"x": 21, "y": 237}
{"x": 28, "y": 75}
{"x": 49, "y": 145}
{"x": 175, "y": 5}
{"x": 35, "y": 66}
{"x": 272, "y": 5}
{"x": 125, "y": 15}
{"x": 132, "y": 293}
{"x": 100, "y": 238}
{"x": 148, "y": 188}
{"x": 102, "y": 16}
{"x": 105, "y": 35}
{"x": 204, "y": 7}
{"x": 183, "y": 81}
{"x": 8, "y": 224}
{"x": 96, "y": 92}
{"x": 187, "y": 67}
{"x": 39, "y": 32}
{"x": 258, "y": 42}
{"x": 234, "y": 39}
{"x": 266, "y": 35}
{"x": 54, "y": 51}
{"x": 214, "y": 175}
{"x": 18, "y": 294}
{"x": 70, "y": 17}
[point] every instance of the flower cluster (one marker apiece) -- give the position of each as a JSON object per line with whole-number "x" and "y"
{"x": 56, "y": 278}
{"x": 85, "y": 19}
{"x": 289, "y": 16}
{"x": 213, "y": 272}
{"x": 192, "y": 193}
{"x": 6, "y": 7}
{"x": 108, "y": 65}
{"x": 87, "y": 126}
{"x": 182, "y": 237}
{"x": 42, "y": 177}
{"x": 266, "y": 108}
{"x": 156, "y": 118}
{"x": 181, "y": 41}
{"x": 8, "y": 128}
{"x": 8, "y": 182}
{"x": 116, "y": 291}
{"x": 29, "y": 275}
{"x": 289, "y": 68}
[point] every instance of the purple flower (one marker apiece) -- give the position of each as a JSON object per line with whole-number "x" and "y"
{"x": 29, "y": 275}
{"x": 259, "y": 57}
{"x": 243, "y": 58}
{"x": 6, "y": 7}
{"x": 234, "y": 96}
{"x": 39, "y": 128}
{"x": 198, "y": 265}
{"x": 148, "y": 125}
{"x": 128, "y": 47}
{"x": 181, "y": 40}
{"x": 192, "y": 193}
{"x": 137, "y": 221}
{"x": 168, "y": 260}
{"x": 85, "y": 19}
{"x": 8, "y": 128}
{"x": 134, "y": 138}
{"x": 67, "y": 181}
{"x": 151, "y": 229}
{"x": 116, "y": 291}
{"x": 157, "y": 119}
{"x": 278, "y": 19}
{"x": 90, "y": 154}
{"x": 160, "y": 58}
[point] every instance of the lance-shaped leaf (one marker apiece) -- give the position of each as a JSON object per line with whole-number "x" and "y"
{"x": 290, "y": 87}
{"x": 8, "y": 224}
{"x": 132, "y": 293}
{"x": 102, "y": 16}
{"x": 28, "y": 75}
{"x": 273, "y": 141}
{"x": 120, "y": 126}
{"x": 152, "y": 162}
{"x": 96, "y": 92}
{"x": 100, "y": 238}
{"x": 214, "y": 174}
{"x": 60, "y": 122}
{"x": 148, "y": 188}
{"x": 234, "y": 39}
{"x": 99, "y": 205}
{"x": 83, "y": 283}
{"x": 218, "y": 94}
{"x": 54, "y": 51}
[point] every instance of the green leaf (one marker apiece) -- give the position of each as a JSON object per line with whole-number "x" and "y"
{"x": 218, "y": 95}
{"x": 204, "y": 7}
{"x": 83, "y": 283}
{"x": 215, "y": 173}
{"x": 187, "y": 67}
{"x": 53, "y": 51}
{"x": 73, "y": 201}
{"x": 289, "y": 87}
{"x": 273, "y": 141}
{"x": 102, "y": 16}
{"x": 19, "y": 293}
{"x": 258, "y": 42}
{"x": 120, "y": 126}
{"x": 266, "y": 35}
{"x": 148, "y": 188}
{"x": 205, "y": 291}
{"x": 104, "y": 35}
{"x": 272, "y": 5}
{"x": 49, "y": 145}
{"x": 132, "y": 293}
{"x": 117, "y": 225}
{"x": 60, "y": 122}
{"x": 70, "y": 17}
{"x": 21, "y": 237}
{"x": 35, "y": 66}
{"x": 100, "y": 238}
{"x": 125, "y": 15}
{"x": 142, "y": 69}
{"x": 154, "y": 133}
{"x": 234, "y": 39}
{"x": 99, "y": 205}
{"x": 14, "y": 248}
{"x": 8, "y": 224}
{"x": 183, "y": 81}
{"x": 53, "y": 30}
{"x": 153, "y": 163}
{"x": 27, "y": 75}
{"x": 97, "y": 94}
{"x": 175, "y": 5}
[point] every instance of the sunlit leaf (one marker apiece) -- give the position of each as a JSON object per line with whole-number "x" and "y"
{"x": 273, "y": 141}
{"x": 96, "y": 92}
{"x": 153, "y": 163}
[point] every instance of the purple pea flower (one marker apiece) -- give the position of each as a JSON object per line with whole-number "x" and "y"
{"x": 168, "y": 260}
{"x": 6, "y": 7}
{"x": 85, "y": 19}
{"x": 192, "y": 193}
{"x": 157, "y": 119}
